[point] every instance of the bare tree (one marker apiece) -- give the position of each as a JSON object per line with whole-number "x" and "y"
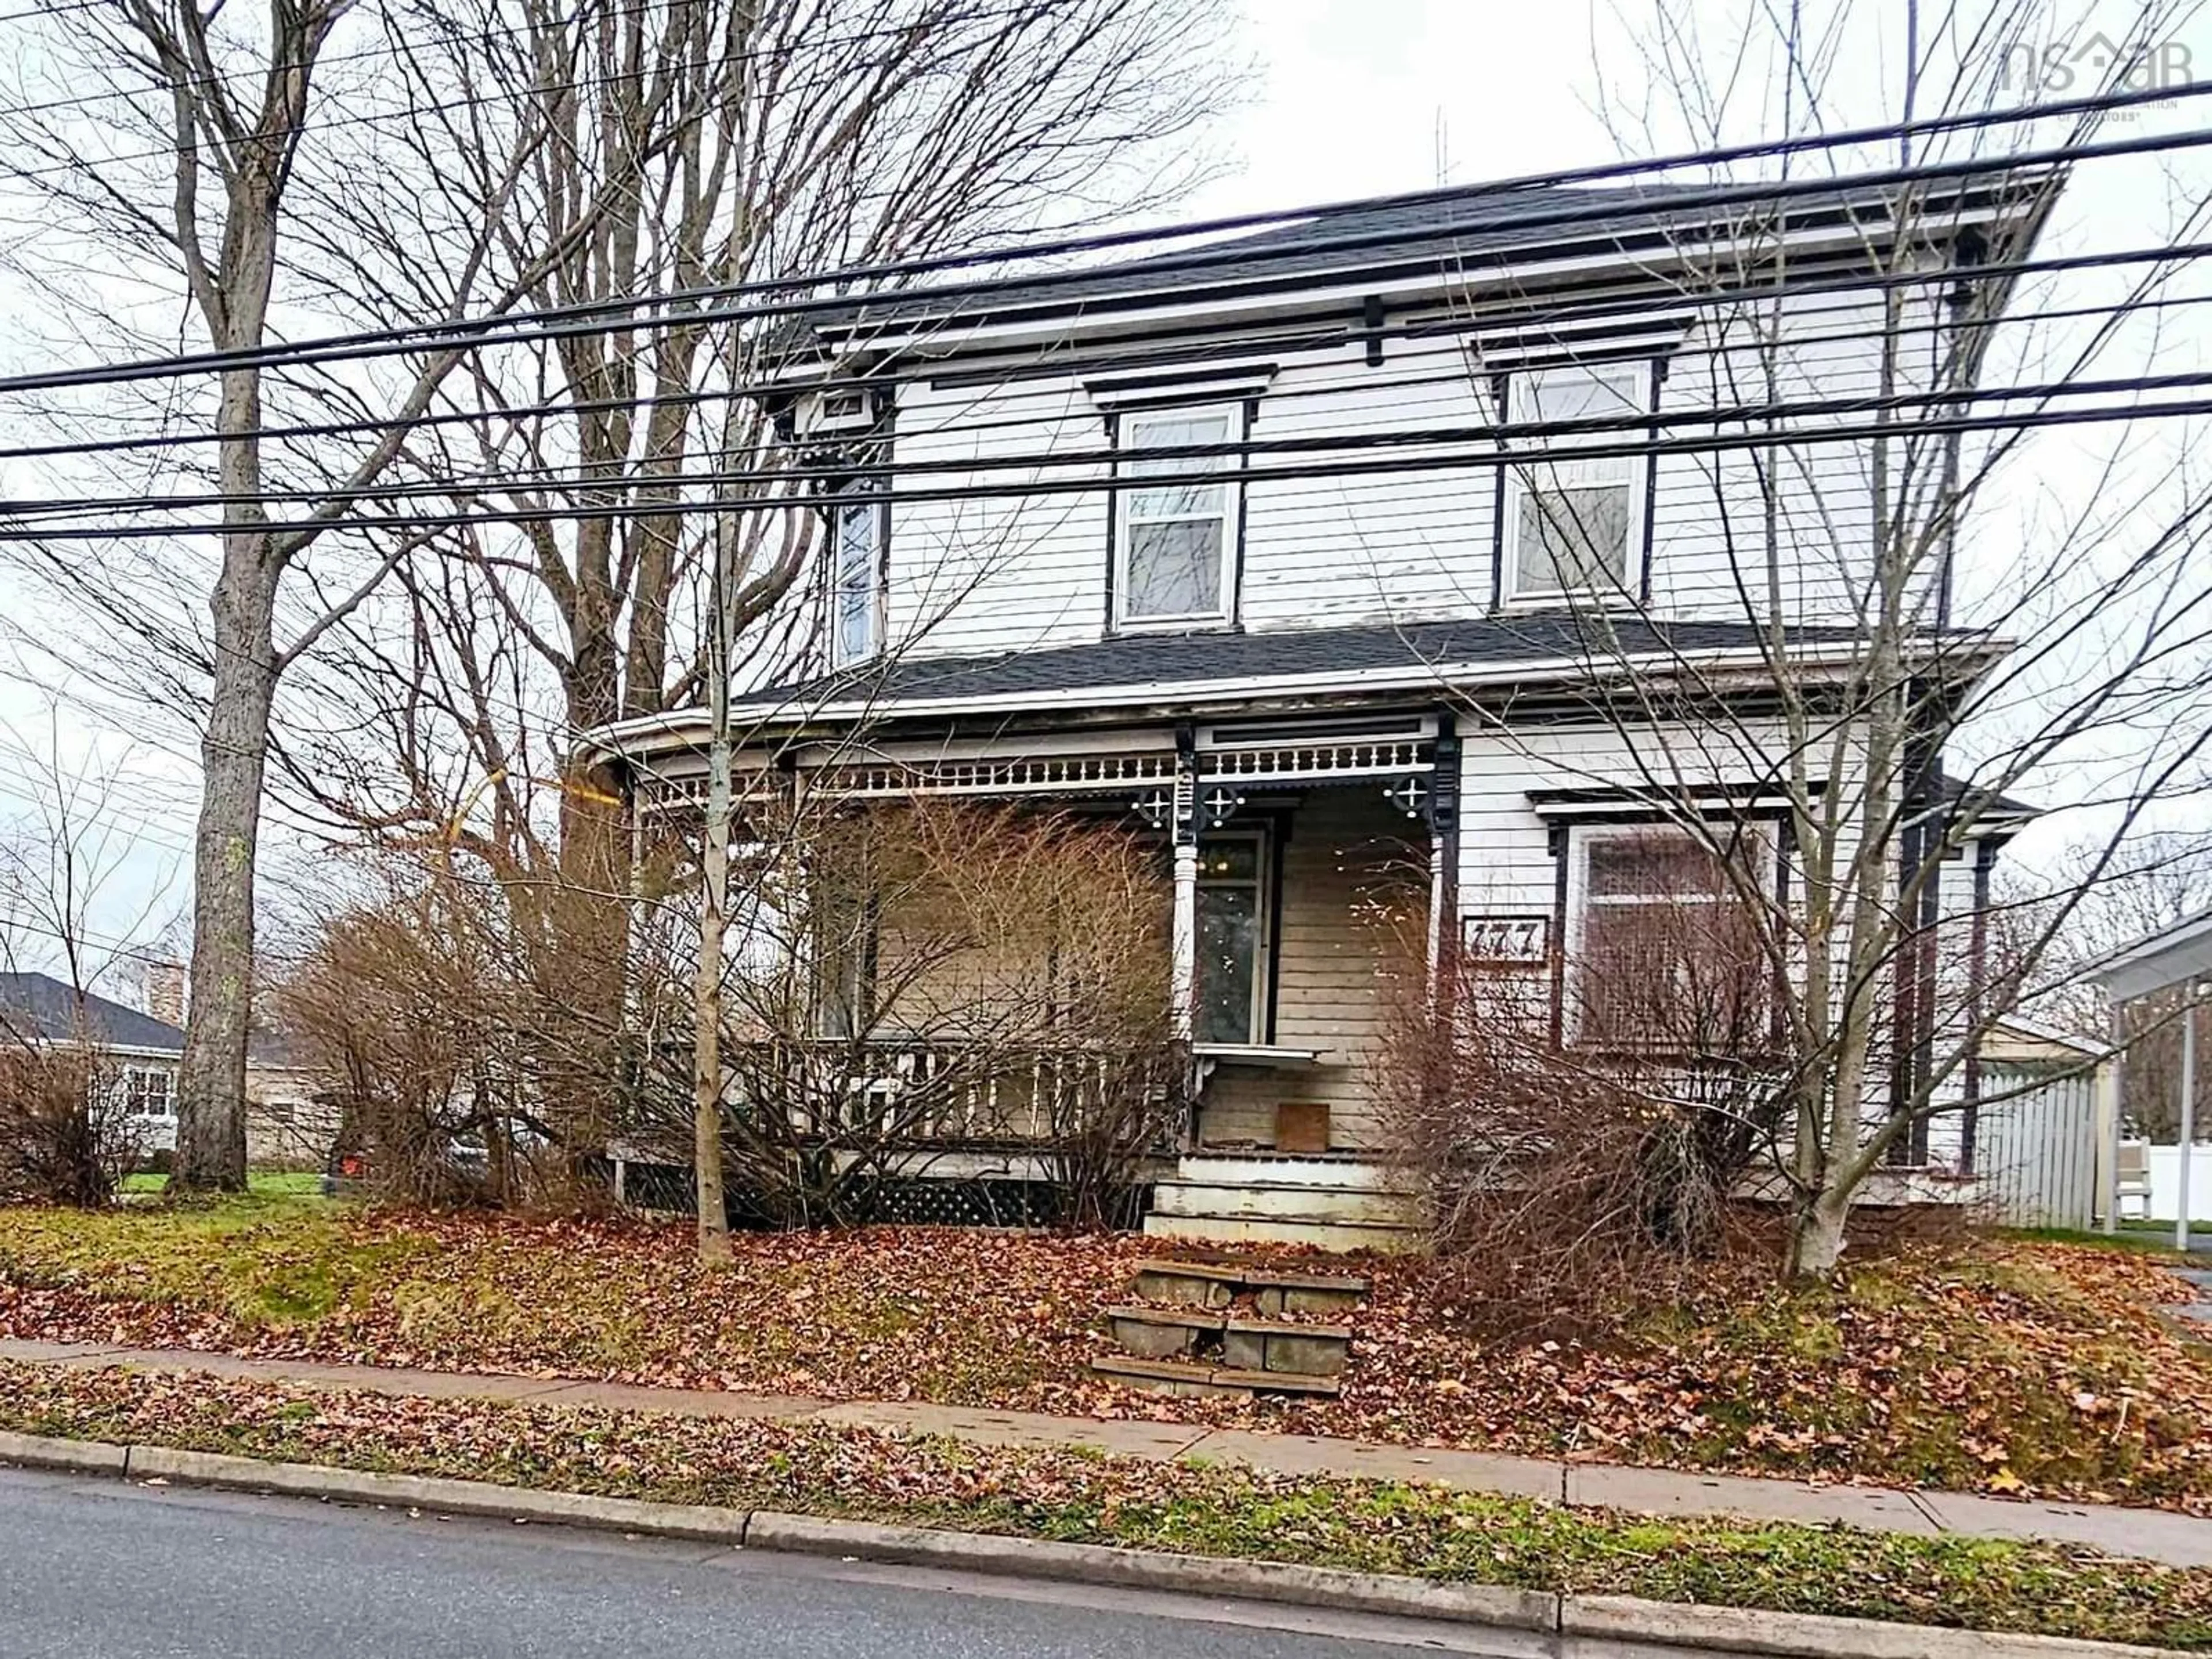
{"x": 221, "y": 108}
{"x": 1914, "y": 670}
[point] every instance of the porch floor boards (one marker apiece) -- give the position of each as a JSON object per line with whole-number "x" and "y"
{"x": 2152, "y": 1534}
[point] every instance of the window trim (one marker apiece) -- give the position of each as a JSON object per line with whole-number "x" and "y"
{"x": 847, "y": 496}
{"x": 1261, "y": 882}
{"x": 1759, "y": 848}
{"x": 1237, "y": 424}
{"x": 1634, "y": 376}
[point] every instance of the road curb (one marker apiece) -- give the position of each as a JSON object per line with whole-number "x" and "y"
{"x": 1625, "y": 1625}
{"x": 1570, "y": 1626}
{"x": 1195, "y": 1575}
{"x": 41, "y": 1451}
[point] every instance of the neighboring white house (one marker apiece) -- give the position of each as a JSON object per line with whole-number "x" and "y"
{"x": 287, "y": 1123}
{"x": 1306, "y": 683}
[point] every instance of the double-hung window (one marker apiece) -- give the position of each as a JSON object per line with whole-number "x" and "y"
{"x": 1574, "y": 523}
{"x": 1176, "y": 523}
{"x": 857, "y": 573}
{"x": 1666, "y": 954}
{"x": 150, "y": 1092}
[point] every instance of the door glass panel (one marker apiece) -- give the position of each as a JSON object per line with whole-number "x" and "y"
{"x": 1228, "y": 963}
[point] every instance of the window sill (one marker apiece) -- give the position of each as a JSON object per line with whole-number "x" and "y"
{"x": 1575, "y": 598}
{"x": 1214, "y": 623}
{"x": 1264, "y": 1055}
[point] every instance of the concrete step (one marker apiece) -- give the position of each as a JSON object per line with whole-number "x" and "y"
{"x": 1276, "y": 1347}
{"x": 1236, "y": 1343}
{"x": 1164, "y": 1333}
{"x": 1219, "y": 1284}
{"x": 1323, "y": 1232}
{"x": 1182, "y": 1197}
{"x": 1190, "y": 1377}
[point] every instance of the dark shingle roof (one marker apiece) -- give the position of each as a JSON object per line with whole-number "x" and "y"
{"x": 41, "y": 1008}
{"x": 1136, "y": 661}
{"x": 1423, "y": 234}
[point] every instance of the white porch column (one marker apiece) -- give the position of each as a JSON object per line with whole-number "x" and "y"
{"x": 1182, "y": 976}
{"x": 1182, "y": 943}
{"x": 1442, "y": 811}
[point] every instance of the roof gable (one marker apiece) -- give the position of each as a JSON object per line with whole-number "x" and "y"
{"x": 39, "y": 1008}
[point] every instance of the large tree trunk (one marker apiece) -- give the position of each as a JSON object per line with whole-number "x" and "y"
{"x": 233, "y": 753}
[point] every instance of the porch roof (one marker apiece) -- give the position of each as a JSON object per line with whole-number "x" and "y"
{"x": 1201, "y": 670}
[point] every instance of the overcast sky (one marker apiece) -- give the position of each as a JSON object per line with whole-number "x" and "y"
{"x": 1352, "y": 98}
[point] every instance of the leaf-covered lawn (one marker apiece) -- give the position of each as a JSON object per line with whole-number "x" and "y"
{"x": 1215, "y": 1510}
{"x": 2009, "y": 1366}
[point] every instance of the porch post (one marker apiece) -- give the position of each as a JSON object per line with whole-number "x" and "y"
{"x": 1443, "y": 858}
{"x": 1182, "y": 832}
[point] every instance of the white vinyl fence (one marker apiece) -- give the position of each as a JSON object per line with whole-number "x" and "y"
{"x": 2166, "y": 1185}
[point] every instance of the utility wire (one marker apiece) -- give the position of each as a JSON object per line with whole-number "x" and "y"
{"x": 1496, "y": 432}
{"x": 1488, "y": 460}
{"x": 704, "y": 304}
{"x": 1555, "y": 319}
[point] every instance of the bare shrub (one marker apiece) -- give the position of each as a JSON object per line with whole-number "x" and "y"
{"x": 907, "y": 980}
{"x": 64, "y": 1137}
{"x": 1581, "y": 1128}
{"x": 443, "y": 1007}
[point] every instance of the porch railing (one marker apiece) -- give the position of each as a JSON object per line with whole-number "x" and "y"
{"x": 944, "y": 1093}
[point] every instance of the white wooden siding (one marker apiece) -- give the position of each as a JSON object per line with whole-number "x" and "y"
{"x": 1022, "y": 572}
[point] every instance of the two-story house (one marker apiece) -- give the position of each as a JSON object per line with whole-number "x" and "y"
{"x": 1383, "y": 549}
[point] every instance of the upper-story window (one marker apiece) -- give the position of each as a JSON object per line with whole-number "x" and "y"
{"x": 858, "y": 572}
{"x": 1575, "y": 524}
{"x": 1175, "y": 539}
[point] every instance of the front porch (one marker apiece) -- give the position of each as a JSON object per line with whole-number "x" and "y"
{"x": 1301, "y": 877}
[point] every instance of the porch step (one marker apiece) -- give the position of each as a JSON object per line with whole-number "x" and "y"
{"x": 1321, "y": 1231}
{"x": 1334, "y": 1171}
{"x": 1217, "y": 1284}
{"x": 1183, "y": 1195}
{"x": 1273, "y": 1345}
{"x": 1190, "y": 1377}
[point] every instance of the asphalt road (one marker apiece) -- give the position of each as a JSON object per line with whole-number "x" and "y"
{"x": 96, "y": 1569}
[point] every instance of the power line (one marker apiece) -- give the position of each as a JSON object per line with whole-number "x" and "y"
{"x": 1495, "y": 433}
{"x": 614, "y": 315}
{"x": 1555, "y": 318}
{"x": 1487, "y": 460}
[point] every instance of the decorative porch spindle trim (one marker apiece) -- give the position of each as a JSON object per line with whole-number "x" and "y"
{"x": 1355, "y": 759}
{"x": 995, "y": 777}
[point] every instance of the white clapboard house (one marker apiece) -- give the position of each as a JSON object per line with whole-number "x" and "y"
{"x": 1306, "y": 670}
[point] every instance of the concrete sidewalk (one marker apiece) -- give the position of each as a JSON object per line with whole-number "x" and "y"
{"x": 2153, "y": 1535}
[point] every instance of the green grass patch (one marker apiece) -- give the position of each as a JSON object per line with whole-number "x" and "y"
{"x": 2152, "y": 1238}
